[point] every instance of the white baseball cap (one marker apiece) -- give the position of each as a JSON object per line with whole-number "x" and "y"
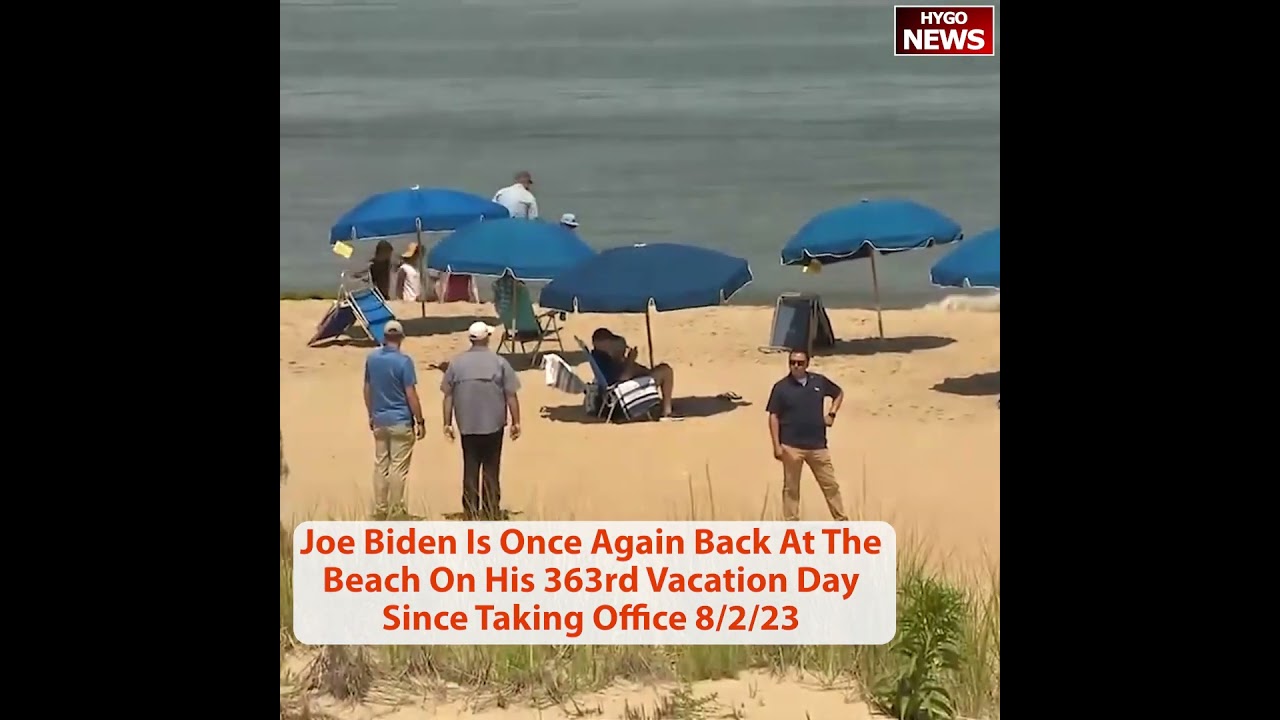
{"x": 569, "y": 219}
{"x": 479, "y": 331}
{"x": 393, "y": 327}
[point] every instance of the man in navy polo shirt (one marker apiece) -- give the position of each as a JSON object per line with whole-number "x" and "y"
{"x": 798, "y": 422}
{"x": 395, "y": 417}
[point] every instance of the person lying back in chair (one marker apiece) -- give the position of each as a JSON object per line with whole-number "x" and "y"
{"x": 618, "y": 363}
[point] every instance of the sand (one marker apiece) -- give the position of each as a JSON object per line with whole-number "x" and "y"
{"x": 917, "y": 442}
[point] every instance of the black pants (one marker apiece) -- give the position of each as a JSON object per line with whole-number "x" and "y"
{"x": 481, "y": 457}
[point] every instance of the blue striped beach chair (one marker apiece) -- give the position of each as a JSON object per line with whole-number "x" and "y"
{"x": 359, "y": 304}
{"x": 628, "y": 400}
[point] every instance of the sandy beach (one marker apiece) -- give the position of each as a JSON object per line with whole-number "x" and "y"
{"x": 917, "y": 443}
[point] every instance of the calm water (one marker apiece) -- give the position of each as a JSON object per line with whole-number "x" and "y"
{"x": 724, "y": 123}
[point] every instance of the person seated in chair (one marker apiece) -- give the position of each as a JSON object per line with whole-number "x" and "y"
{"x": 378, "y": 271}
{"x": 618, "y": 363}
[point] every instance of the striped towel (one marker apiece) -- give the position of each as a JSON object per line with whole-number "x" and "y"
{"x": 637, "y": 396}
{"x": 560, "y": 376}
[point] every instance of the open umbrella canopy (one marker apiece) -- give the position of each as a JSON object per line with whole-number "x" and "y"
{"x": 528, "y": 249}
{"x": 412, "y": 210}
{"x": 975, "y": 263}
{"x": 853, "y": 231}
{"x": 628, "y": 279}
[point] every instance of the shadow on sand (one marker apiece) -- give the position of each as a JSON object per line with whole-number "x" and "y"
{"x": 521, "y": 361}
{"x": 428, "y": 326}
{"x": 507, "y": 516}
{"x": 987, "y": 383}
{"x": 413, "y": 327}
{"x": 686, "y": 407}
{"x": 524, "y": 361}
{"x": 876, "y": 346}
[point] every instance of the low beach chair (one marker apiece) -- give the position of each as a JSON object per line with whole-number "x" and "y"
{"x": 360, "y": 305}
{"x": 628, "y": 400}
{"x": 521, "y": 324}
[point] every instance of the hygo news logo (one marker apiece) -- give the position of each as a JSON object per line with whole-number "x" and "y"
{"x": 944, "y": 30}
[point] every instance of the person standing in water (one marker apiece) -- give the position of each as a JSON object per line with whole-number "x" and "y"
{"x": 518, "y": 197}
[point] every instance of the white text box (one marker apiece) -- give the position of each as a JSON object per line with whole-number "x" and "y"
{"x": 594, "y": 583}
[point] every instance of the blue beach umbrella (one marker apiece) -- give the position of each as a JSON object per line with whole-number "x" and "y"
{"x": 412, "y": 211}
{"x": 975, "y": 263}
{"x": 528, "y": 249}
{"x": 666, "y": 276}
{"x": 865, "y": 229}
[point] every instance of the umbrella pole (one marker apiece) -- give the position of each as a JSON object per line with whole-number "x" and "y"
{"x": 422, "y": 274}
{"x": 648, "y": 331}
{"x": 875, "y": 289}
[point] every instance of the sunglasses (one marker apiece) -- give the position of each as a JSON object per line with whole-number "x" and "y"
{"x": 799, "y": 363}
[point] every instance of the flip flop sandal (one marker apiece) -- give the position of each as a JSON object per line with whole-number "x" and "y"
{"x": 729, "y": 396}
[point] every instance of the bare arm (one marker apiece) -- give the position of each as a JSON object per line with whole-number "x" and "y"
{"x": 837, "y": 402}
{"x": 513, "y": 407}
{"x": 368, "y": 401}
{"x": 446, "y": 410}
{"x": 415, "y": 405}
{"x": 773, "y": 407}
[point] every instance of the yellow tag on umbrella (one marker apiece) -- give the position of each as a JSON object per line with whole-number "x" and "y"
{"x": 343, "y": 249}
{"x": 814, "y": 267}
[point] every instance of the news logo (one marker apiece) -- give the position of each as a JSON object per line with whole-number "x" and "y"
{"x": 944, "y": 30}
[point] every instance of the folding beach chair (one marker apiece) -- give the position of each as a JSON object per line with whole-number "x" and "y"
{"x": 521, "y": 325}
{"x": 627, "y": 400}
{"x": 360, "y": 305}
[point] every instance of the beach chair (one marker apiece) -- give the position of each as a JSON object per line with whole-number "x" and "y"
{"x": 521, "y": 324}
{"x": 360, "y": 305}
{"x": 627, "y": 400}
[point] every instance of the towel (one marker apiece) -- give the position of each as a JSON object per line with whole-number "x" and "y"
{"x": 560, "y": 376}
{"x": 637, "y": 396}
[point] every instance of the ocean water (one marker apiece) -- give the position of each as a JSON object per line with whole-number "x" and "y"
{"x": 723, "y": 123}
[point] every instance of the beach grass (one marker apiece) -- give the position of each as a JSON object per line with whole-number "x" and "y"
{"x": 944, "y": 662}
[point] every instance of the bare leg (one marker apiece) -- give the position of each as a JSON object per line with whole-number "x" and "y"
{"x": 665, "y": 377}
{"x": 662, "y": 374}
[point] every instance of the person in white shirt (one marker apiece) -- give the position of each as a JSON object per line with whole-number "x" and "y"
{"x": 518, "y": 198}
{"x": 569, "y": 220}
{"x": 408, "y": 275}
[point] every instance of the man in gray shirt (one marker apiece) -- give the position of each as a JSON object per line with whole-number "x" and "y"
{"x": 480, "y": 389}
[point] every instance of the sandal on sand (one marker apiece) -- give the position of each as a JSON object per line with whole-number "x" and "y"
{"x": 729, "y": 396}
{"x": 670, "y": 418}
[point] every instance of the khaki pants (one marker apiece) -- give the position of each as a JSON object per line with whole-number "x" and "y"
{"x": 819, "y": 461}
{"x": 392, "y": 451}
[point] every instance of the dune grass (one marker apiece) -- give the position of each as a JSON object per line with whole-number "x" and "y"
{"x": 944, "y": 662}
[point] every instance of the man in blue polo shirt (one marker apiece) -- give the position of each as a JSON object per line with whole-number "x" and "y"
{"x": 395, "y": 417}
{"x": 798, "y": 422}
